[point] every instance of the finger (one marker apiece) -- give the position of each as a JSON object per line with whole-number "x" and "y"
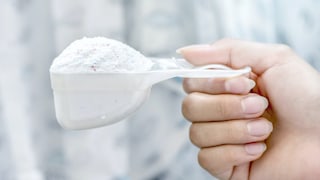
{"x": 241, "y": 171}
{"x": 238, "y": 54}
{"x": 200, "y": 107}
{"x": 220, "y": 161}
{"x": 237, "y": 85}
{"x": 210, "y": 134}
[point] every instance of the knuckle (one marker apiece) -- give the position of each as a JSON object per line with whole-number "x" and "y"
{"x": 188, "y": 106}
{"x": 187, "y": 85}
{"x": 221, "y": 108}
{"x": 206, "y": 160}
{"x": 230, "y": 133}
{"x": 195, "y": 135}
{"x": 203, "y": 159}
{"x": 237, "y": 132}
{"x": 282, "y": 50}
{"x": 231, "y": 156}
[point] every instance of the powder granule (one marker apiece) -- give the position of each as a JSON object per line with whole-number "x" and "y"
{"x": 99, "y": 55}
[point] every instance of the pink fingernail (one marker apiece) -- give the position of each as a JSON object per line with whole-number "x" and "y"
{"x": 236, "y": 85}
{"x": 254, "y": 104}
{"x": 252, "y": 83}
{"x": 259, "y": 127}
{"x": 255, "y": 148}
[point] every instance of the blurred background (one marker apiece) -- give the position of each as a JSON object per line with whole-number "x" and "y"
{"x": 152, "y": 144}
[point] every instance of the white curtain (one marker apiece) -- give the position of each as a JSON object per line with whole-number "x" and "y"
{"x": 153, "y": 144}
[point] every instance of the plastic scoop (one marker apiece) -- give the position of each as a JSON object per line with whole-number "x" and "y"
{"x": 88, "y": 100}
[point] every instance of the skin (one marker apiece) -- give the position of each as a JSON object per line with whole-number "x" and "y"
{"x": 271, "y": 131}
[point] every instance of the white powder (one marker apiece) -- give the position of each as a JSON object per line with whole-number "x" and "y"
{"x": 90, "y": 55}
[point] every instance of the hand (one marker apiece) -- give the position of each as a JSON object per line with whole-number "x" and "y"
{"x": 230, "y": 125}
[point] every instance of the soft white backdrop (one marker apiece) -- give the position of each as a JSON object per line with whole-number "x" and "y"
{"x": 153, "y": 144}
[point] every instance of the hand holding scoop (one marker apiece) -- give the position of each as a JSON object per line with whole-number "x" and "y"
{"x": 87, "y": 99}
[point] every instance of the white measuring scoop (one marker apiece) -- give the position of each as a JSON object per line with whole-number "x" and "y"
{"x": 89, "y": 100}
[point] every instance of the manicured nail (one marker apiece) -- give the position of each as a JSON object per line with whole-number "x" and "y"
{"x": 236, "y": 86}
{"x": 178, "y": 51}
{"x": 255, "y": 148}
{"x": 254, "y": 104}
{"x": 251, "y": 83}
{"x": 193, "y": 47}
{"x": 259, "y": 127}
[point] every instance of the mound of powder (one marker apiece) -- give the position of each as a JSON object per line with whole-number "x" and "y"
{"x": 99, "y": 54}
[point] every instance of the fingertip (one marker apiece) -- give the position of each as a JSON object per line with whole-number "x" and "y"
{"x": 255, "y": 148}
{"x": 219, "y": 159}
{"x": 195, "y": 53}
{"x": 239, "y": 85}
{"x": 179, "y": 51}
{"x": 251, "y": 83}
{"x": 259, "y": 128}
{"x": 254, "y": 105}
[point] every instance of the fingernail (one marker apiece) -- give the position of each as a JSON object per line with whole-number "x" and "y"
{"x": 259, "y": 127}
{"x": 178, "y": 51}
{"x": 251, "y": 83}
{"x": 255, "y": 148}
{"x": 236, "y": 86}
{"x": 192, "y": 47}
{"x": 254, "y": 104}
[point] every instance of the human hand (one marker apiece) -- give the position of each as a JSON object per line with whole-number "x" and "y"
{"x": 231, "y": 148}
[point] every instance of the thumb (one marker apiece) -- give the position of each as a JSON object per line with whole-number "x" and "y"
{"x": 238, "y": 54}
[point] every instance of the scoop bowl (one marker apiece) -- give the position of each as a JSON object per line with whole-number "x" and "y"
{"x": 88, "y": 100}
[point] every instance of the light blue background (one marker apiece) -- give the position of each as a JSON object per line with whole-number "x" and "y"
{"x": 153, "y": 144}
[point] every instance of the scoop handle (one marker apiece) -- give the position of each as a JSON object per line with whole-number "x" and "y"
{"x": 182, "y": 68}
{"x": 220, "y": 71}
{"x": 213, "y": 71}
